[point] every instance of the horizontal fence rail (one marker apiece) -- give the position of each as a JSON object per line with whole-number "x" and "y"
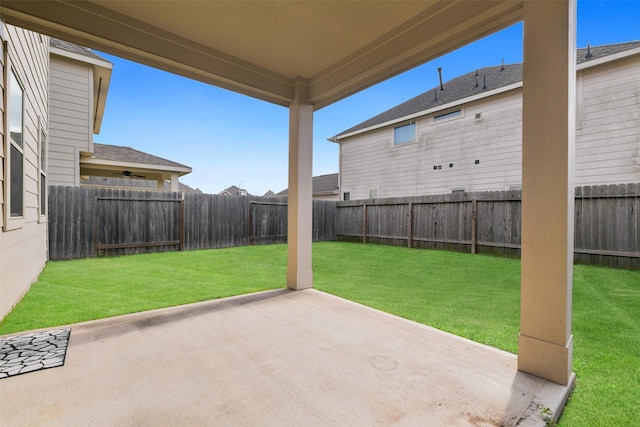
{"x": 87, "y": 222}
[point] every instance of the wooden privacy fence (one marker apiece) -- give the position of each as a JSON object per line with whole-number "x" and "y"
{"x": 88, "y": 222}
{"x": 607, "y": 223}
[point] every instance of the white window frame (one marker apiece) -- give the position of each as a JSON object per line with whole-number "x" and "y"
{"x": 405, "y": 125}
{"x": 12, "y": 222}
{"x": 43, "y": 162}
{"x": 349, "y": 192}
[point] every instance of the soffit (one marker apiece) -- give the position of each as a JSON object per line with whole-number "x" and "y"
{"x": 263, "y": 49}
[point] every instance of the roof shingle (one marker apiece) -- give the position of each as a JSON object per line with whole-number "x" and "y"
{"x": 74, "y": 48}
{"x": 473, "y": 83}
{"x": 118, "y": 153}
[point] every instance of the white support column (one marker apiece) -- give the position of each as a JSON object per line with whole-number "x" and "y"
{"x": 174, "y": 185}
{"x": 160, "y": 184}
{"x": 548, "y": 145}
{"x": 299, "y": 271}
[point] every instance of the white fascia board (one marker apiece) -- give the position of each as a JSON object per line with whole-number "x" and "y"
{"x": 138, "y": 166}
{"x": 608, "y": 58}
{"x": 452, "y": 104}
{"x": 81, "y": 58}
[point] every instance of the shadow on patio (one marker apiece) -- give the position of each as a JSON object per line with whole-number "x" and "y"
{"x": 276, "y": 358}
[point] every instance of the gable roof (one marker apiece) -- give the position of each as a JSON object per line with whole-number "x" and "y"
{"x": 234, "y": 190}
{"x": 474, "y": 83}
{"x": 118, "y": 153}
{"x": 322, "y": 184}
{"x": 109, "y": 160}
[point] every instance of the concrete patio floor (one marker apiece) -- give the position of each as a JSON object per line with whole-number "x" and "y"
{"x": 275, "y": 358}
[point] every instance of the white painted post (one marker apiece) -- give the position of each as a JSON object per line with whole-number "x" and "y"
{"x": 548, "y": 146}
{"x": 299, "y": 270}
{"x": 174, "y": 184}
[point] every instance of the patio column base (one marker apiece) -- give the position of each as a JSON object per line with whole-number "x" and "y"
{"x": 299, "y": 280}
{"x": 545, "y": 359}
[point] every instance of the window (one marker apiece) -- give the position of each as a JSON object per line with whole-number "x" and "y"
{"x": 42, "y": 208}
{"x": 404, "y": 134}
{"x": 16, "y": 150}
{"x": 346, "y": 195}
{"x": 373, "y": 194}
{"x": 447, "y": 116}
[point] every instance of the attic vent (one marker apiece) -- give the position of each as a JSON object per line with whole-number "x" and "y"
{"x": 449, "y": 115}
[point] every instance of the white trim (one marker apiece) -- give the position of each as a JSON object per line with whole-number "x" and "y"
{"x": 42, "y": 210}
{"x": 12, "y": 222}
{"x": 452, "y": 104}
{"x": 82, "y": 58}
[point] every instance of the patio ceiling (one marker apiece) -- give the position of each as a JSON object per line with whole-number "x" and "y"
{"x": 261, "y": 48}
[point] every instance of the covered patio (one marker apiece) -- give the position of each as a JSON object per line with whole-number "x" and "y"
{"x": 276, "y": 358}
{"x": 307, "y": 55}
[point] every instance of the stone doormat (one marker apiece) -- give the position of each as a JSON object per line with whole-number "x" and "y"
{"x": 32, "y": 352}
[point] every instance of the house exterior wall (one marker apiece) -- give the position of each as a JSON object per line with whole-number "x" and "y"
{"x": 608, "y": 124}
{"x": 71, "y": 119}
{"x": 484, "y": 153}
{"x": 372, "y": 166}
{"x": 23, "y": 240}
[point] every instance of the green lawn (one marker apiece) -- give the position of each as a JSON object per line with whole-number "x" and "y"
{"x": 473, "y": 296}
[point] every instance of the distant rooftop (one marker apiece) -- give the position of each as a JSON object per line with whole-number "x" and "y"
{"x": 118, "y": 153}
{"x": 322, "y": 184}
{"x": 74, "y": 48}
{"x": 473, "y": 83}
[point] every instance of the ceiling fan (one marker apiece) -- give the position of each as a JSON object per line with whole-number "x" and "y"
{"x": 129, "y": 174}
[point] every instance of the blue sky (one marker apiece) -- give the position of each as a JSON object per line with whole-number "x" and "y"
{"x": 231, "y": 139}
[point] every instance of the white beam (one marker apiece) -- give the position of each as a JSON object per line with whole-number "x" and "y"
{"x": 299, "y": 271}
{"x": 545, "y": 342}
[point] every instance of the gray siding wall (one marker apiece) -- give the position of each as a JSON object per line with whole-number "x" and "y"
{"x": 23, "y": 240}
{"x": 607, "y": 143}
{"x": 70, "y": 119}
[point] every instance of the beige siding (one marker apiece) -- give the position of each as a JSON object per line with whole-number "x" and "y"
{"x": 372, "y": 162}
{"x": 607, "y": 143}
{"x": 23, "y": 242}
{"x": 70, "y": 119}
{"x": 608, "y": 140}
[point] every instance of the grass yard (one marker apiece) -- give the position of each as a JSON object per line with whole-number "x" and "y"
{"x": 473, "y": 296}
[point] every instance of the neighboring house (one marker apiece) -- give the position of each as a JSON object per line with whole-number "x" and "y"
{"x": 468, "y": 136}
{"x": 325, "y": 187}
{"x": 24, "y": 126}
{"x": 113, "y": 161}
{"x": 269, "y": 193}
{"x": 79, "y": 83}
{"x": 234, "y": 191}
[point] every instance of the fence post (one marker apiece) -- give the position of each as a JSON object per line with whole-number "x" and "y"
{"x": 182, "y": 213}
{"x": 409, "y": 224}
{"x": 364, "y": 222}
{"x": 95, "y": 227}
{"x": 474, "y": 214}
